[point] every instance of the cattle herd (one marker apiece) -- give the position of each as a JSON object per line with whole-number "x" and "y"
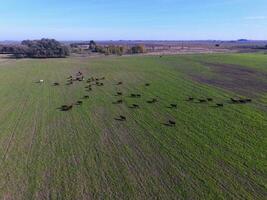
{"x": 99, "y": 82}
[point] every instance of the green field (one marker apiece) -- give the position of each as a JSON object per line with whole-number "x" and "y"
{"x": 211, "y": 153}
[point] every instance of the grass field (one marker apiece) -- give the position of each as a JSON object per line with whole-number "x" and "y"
{"x": 211, "y": 153}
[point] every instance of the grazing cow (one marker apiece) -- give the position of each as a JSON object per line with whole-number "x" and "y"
{"x": 136, "y": 95}
{"x": 202, "y": 100}
{"x": 86, "y": 97}
{"x": 242, "y": 101}
{"x": 190, "y": 99}
{"x": 41, "y": 81}
{"x": 123, "y": 118}
{"x": 79, "y": 78}
{"x": 248, "y": 100}
{"x": 234, "y": 100}
{"x": 153, "y": 101}
{"x": 209, "y": 99}
{"x": 119, "y": 101}
{"x": 79, "y": 103}
{"x": 219, "y": 105}
{"x": 135, "y": 106}
{"x": 173, "y": 105}
{"x": 119, "y": 93}
{"x": 147, "y": 84}
{"x": 66, "y": 107}
{"x": 119, "y": 83}
{"x": 56, "y": 84}
{"x": 172, "y": 123}
{"x": 99, "y": 84}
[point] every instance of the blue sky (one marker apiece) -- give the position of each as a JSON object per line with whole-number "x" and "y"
{"x": 135, "y": 19}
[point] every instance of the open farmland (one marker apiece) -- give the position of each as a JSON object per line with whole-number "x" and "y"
{"x": 212, "y": 152}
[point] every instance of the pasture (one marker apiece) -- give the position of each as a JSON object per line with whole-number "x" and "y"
{"x": 152, "y": 135}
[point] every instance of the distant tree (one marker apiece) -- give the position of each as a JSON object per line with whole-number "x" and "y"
{"x": 45, "y": 48}
{"x": 137, "y": 49}
{"x": 20, "y": 51}
{"x": 8, "y": 49}
{"x": 26, "y": 42}
{"x": 100, "y": 49}
{"x": 73, "y": 45}
{"x": 92, "y": 45}
{"x": 107, "y": 49}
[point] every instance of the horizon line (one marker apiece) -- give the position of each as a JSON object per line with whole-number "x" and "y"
{"x": 159, "y": 40}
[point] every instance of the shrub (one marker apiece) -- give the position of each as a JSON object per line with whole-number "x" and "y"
{"x": 137, "y": 49}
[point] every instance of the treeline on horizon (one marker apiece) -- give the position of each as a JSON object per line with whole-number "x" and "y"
{"x": 44, "y": 48}
{"x": 50, "y": 48}
{"x": 107, "y": 49}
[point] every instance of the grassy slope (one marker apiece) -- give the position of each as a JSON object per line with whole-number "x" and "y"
{"x": 210, "y": 154}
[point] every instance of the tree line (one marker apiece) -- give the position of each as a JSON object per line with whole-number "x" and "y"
{"x": 108, "y": 49}
{"x": 50, "y": 48}
{"x": 44, "y": 48}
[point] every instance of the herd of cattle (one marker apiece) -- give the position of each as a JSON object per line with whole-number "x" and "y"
{"x": 99, "y": 82}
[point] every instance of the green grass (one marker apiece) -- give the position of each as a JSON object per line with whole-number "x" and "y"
{"x": 211, "y": 153}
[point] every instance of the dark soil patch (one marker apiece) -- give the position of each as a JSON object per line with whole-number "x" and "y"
{"x": 235, "y": 78}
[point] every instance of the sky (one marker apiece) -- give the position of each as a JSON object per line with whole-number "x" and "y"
{"x": 133, "y": 19}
